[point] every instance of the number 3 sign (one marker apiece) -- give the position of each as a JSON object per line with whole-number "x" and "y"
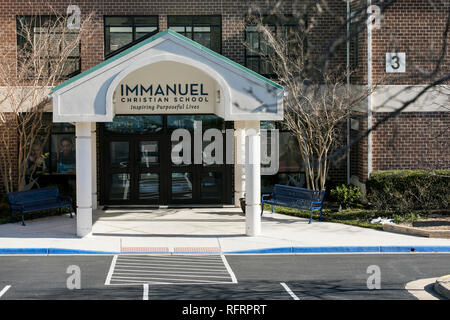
{"x": 395, "y": 62}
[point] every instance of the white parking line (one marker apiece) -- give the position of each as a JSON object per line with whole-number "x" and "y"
{"x": 225, "y": 262}
{"x": 206, "y": 272}
{"x": 145, "y": 296}
{"x": 169, "y": 270}
{"x": 133, "y": 282}
{"x": 172, "y": 262}
{"x": 171, "y": 257}
{"x": 6, "y": 288}
{"x": 111, "y": 270}
{"x": 289, "y": 291}
{"x": 143, "y": 274}
{"x": 149, "y": 279}
{"x": 159, "y": 263}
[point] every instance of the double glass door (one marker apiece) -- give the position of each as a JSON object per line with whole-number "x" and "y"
{"x": 138, "y": 169}
{"x": 134, "y": 167}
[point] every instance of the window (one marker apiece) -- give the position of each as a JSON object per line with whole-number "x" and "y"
{"x": 62, "y": 148}
{"x": 257, "y": 48}
{"x": 121, "y": 32}
{"x": 354, "y": 35}
{"x": 291, "y": 170}
{"x": 44, "y": 31}
{"x": 205, "y": 30}
{"x": 55, "y": 155}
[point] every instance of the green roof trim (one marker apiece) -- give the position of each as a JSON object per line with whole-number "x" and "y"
{"x": 156, "y": 36}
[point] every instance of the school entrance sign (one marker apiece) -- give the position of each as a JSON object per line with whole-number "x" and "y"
{"x": 166, "y": 88}
{"x": 168, "y": 66}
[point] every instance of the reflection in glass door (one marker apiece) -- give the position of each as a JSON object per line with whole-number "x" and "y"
{"x": 149, "y": 169}
{"x": 138, "y": 166}
{"x": 119, "y": 155}
{"x": 197, "y": 183}
{"x": 134, "y": 168}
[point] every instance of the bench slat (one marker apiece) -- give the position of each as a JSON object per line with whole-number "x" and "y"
{"x": 294, "y": 197}
{"x": 37, "y": 199}
{"x": 33, "y": 195}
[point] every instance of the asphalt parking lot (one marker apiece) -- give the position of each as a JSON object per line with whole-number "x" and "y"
{"x": 214, "y": 277}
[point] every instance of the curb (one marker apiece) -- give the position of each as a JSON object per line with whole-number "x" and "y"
{"x": 347, "y": 249}
{"x": 288, "y": 250}
{"x": 49, "y": 251}
{"x": 442, "y": 286}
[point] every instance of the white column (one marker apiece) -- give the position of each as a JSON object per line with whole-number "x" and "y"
{"x": 239, "y": 161}
{"x": 94, "y": 164}
{"x": 84, "y": 178}
{"x": 253, "y": 180}
{"x": 253, "y": 186}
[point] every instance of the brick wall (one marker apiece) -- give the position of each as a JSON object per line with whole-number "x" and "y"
{"x": 415, "y": 27}
{"x": 412, "y": 26}
{"x": 233, "y": 14}
{"x": 412, "y": 141}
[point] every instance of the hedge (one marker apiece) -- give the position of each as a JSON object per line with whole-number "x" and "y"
{"x": 405, "y": 190}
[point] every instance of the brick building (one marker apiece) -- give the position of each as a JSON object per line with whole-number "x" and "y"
{"x": 411, "y": 31}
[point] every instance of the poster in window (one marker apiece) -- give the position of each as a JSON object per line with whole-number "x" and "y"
{"x": 38, "y": 161}
{"x": 63, "y": 154}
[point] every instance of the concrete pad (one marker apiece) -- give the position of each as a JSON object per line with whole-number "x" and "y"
{"x": 222, "y": 228}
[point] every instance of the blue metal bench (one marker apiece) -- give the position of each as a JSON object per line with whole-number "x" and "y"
{"x": 294, "y": 197}
{"x": 37, "y": 199}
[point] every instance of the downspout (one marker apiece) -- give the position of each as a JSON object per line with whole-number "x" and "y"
{"x": 348, "y": 86}
{"x": 369, "y": 87}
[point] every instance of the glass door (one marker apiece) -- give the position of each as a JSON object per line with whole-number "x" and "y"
{"x": 135, "y": 172}
{"x": 148, "y": 172}
{"x": 197, "y": 183}
{"x": 139, "y": 165}
{"x": 119, "y": 171}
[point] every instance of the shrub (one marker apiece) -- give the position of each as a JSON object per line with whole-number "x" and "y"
{"x": 406, "y": 190}
{"x": 346, "y": 196}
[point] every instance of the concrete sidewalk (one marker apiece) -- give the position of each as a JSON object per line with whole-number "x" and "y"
{"x": 204, "y": 230}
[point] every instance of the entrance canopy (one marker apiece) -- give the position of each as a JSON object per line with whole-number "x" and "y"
{"x": 166, "y": 74}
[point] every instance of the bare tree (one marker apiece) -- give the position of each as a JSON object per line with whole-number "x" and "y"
{"x": 27, "y": 74}
{"x": 318, "y": 100}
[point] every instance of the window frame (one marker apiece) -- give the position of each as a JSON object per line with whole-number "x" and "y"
{"x": 278, "y": 30}
{"x": 38, "y": 23}
{"x": 196, "y": 24}
{"x": 354, "y": 24}
{"x": 55, "y": 131}
{"x": 109, "y": 54}
{"x": 268, "y": 181}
